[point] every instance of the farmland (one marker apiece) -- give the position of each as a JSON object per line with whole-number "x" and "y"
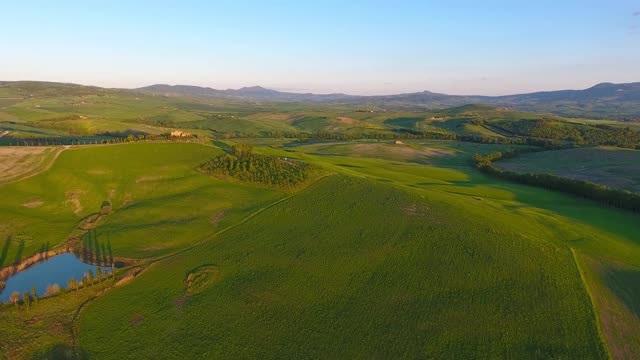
{"x": 153, "y": 188}
{"x": 19, "y": 162}
{"x": 309, "y": 285}
{"x": 423, "y": 180}
{"x": 613, "y": 167}
{"x": 340, "y": 233}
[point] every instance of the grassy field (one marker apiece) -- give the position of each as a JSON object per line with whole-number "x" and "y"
{"x": 366, "y": 262}
{"x": 385, "y": 150}
{"x": 403, "y": 245}
{"x": 44, "y": 330}
{"x": 615, "y": 288}
{"x": 610, "y": 166}
{"x": 160, "y": 202}
{"x": 36, "y": 110}
{"x": 402, "y": 251}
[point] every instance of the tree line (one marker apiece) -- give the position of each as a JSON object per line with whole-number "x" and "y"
{"x": 613, "y": 197}
{"x": 88, "y": 279}
{"x": 399, "y": 133}
{"x": 580, "y": 134}
{"x": 104, "y": 138}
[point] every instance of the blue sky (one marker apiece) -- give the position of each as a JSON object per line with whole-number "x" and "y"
{"x": 361, "y": 47}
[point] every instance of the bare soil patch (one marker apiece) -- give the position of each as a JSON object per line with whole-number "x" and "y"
{"x": 73, "y": 200}
{"x": 415, "y": 210}
{"x": 346, "y": 120}
{"x": 33, "y": 204}
{"x": 217, "y": 217}
{"x": 202, "y": 278}
{"x": 136, "y": 320}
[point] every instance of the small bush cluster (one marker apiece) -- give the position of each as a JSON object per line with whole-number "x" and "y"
{"x": 243, "y": 165}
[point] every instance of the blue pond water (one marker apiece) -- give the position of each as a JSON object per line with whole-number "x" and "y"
{"x": 58, "y": 269}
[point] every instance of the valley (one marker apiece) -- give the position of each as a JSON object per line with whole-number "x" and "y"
{"x": 283, "y": 230}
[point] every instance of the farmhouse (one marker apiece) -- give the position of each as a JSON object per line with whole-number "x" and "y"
{"x": 178, "y": 133}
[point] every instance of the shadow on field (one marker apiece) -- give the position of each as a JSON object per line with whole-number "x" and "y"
{"x": 19, "y": 253}
{"x": 61, "y": 352}
{"x": 625, "y": 284}
{"x": 405, "y": 122}
{"x": 5, "y": 250}
{"x": 226, "y": 148}
{"x": 95, "y": 251}
{"x": 349, "y": 165}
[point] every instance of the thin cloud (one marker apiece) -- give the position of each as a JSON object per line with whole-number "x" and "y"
{"x": 637, "y": 13}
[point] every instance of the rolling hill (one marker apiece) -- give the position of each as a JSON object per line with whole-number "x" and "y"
{"x": 602, "y": 101}
{"x": 606, "y": 100}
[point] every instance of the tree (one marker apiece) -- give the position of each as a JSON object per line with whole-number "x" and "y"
{"x": 241, "y": 149}
{"x": 113, "y": 270}
{"x": 91, "y": 277}
{"x": 52, "y": 290}
{"x": 99, "y": 273}
{"x": 34, "y": 294}
{"x": 73, "y": 284}
{"x": 26, "y": 300}
{"x": 14, "y": 297}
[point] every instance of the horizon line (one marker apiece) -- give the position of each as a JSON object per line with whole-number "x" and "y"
{"x": 290, "y": 91}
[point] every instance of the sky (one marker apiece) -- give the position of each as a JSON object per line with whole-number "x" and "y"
{"x": 356, "y": 47}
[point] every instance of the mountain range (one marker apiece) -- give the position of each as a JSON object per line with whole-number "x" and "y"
{"x": 602, "y": 101}
{"x": 605, "y": 100}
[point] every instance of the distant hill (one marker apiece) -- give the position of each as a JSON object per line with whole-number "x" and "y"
{"x": 600, "y": 92}
{"x": 253, "y": 93}
{"x": 603, "y": 101}
{"x": 606, "y": 100}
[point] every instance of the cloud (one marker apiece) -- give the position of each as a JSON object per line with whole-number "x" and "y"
{"x": 637, "y": 13}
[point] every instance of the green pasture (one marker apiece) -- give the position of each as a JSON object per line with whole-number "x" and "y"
{"x": 160, "y": 202}
{"x": 368, "y": 271}
{"x": 407, "y": 251}
{"x": 610, "y": 166}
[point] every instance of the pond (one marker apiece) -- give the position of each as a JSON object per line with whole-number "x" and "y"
{"x": 58, "y": 269}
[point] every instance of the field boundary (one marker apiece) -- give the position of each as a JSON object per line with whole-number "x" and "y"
{"x": 594, "y": 307}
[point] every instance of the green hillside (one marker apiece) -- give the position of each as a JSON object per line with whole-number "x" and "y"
{"x": 366, "y": 262}
{"x": 308, "y": 230}
{"x": 34, "y": 110}
{"x": 160, "y": 202}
